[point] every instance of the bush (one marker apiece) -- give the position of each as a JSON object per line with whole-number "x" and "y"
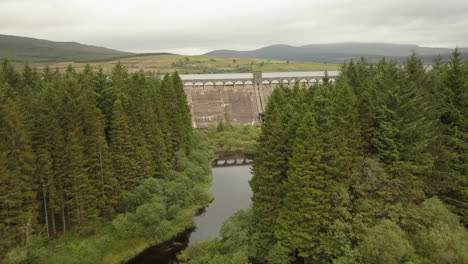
{"x": 386, "y": 243}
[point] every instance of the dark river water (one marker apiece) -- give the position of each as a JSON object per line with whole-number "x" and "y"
{"x": 231, "y": 192}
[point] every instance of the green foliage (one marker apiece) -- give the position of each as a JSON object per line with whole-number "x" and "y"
{"x": 343, "y": 173}
{"x": 212, "y": 252}
{"x": 81, "y": 150}
{"x": 350, "y": 172}
{"x": 385, "y": 243}
{"x": 306, "y": 203}
{"x": 237, "y": 230}
{"x": 278, "y": 254}
{"x": 441, "y": 239}
{"x": 18, "y": 216}
{"x": 156, "y": 210}
{"x": 234, "y": 247}
{"x": 270, "y": 170}
{"x": 453, "y": 98}
{"x": 34, "y": 251}
{"x": 236, "y": 139}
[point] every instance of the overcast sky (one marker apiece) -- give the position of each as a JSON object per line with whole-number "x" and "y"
{"x": 197, "y": 26}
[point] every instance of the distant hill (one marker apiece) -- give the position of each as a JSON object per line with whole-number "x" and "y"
{"x": 23, "y": 49}
{"x": 339, "y": 52}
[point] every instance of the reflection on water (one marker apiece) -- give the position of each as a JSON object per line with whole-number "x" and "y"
{"x": 231, "y": 192}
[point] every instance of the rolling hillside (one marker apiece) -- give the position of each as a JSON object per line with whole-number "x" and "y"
{"x": 339, "y": 52}
{"x": 42, "y": 53}
{"x": 23, "y": 49}
{"x": 197, "y": 64}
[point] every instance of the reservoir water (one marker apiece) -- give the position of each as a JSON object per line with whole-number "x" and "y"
{"x": 249, "y": 75}
{"x": 231, "y": 192}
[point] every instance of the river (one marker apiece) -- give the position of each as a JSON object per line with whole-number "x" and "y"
{"x": 231, "y": 192}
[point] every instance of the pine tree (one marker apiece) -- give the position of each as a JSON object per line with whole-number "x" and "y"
{"x": 10, "y": 76}
{"x": 80, "y": 195}
{"x": 111, "y": 90}
{"x": 79, "y": 191}
{"x": 416, "y": 130}
{"x": 122, "y": 149}
{"x": 18, "y": 189}
{"x": 323, "y": 109}
{"x": 269, "y": 172}
{"x": 384, "y": 142}
{"x": 97, "y": 156}
{"x": 454, "y": 124}
{"x": 50, "y": 141}
{"x": 348, "y": 138}
{"x": 171, "y": 113}
{"x": 184, "y": 117}
{"x": 306, "y": 202}
{"x": 44, "y": 171}
{"x": 160, "y": 122}
{"x": 401, "y": 136}
{"x": 360, "y": 78}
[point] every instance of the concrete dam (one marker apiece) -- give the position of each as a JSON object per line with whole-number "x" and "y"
{"x": 238, "y": 97}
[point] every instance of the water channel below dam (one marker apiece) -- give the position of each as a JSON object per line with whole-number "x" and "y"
{"x": 231, "y": 192}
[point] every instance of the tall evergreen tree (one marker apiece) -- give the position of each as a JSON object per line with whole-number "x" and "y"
{"x": 323, "y": 109}
{"x": 10, "y": 76}
{"x": 184, "y": 117}
{"x": 454, "y": 121}
{"x": 269, "y": 172}
{"x": 348, "y": 138}
{"x": 122, "y": 149}
{"x": 18, "y": 186}
{"x": 80, "y": 193}
{"x": 306, "y": 202}
{"x": 401, "y": 136}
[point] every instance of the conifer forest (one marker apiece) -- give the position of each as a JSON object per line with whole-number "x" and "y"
{"x": 372, "y": 168}
{"x": 97, "y": 160}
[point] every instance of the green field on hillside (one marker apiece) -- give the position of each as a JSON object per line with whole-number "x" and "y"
{"x": 198, "y": 64}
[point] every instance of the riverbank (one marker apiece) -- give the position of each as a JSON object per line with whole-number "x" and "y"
{"x": 157, "y": 210}
{"x": 231, "y": 192}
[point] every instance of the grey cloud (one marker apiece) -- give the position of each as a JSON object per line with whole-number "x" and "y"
{"x": 197, "y": 26}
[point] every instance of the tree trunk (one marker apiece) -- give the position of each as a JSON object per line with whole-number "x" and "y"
{"x": 52, "y": 218}
{"x": 64, "y": 222}
{"x": 102, "y": 174}
{"x": 27, "y": 228}
{"x": 44, "y": 198}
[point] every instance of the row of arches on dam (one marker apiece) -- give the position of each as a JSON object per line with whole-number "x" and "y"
{"x": 249, "y": 82}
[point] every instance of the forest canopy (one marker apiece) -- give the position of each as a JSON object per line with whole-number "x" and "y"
{"x": 91, "y": 162}
{"x": 371, "y": 169}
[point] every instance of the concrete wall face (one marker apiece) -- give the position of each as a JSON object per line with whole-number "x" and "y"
{"x": 211, "y": 105}
{"x": 241, "y": 104}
